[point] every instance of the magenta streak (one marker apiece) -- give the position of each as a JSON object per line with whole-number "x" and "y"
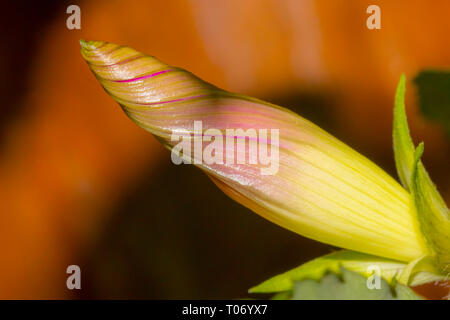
{"x": 175, "y": 100}
{"x": 257, "y": 139}
{"x": 143, "y": 77}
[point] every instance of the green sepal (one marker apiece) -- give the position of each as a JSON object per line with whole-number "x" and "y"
{"x": 350, "y": 285}
{"x": 364, "y": 264}
{"x": 403, "y": 144}
{"x": 431, "y": 212}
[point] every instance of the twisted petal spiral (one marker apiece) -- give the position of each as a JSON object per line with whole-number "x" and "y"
{"x": 322, "y": 189}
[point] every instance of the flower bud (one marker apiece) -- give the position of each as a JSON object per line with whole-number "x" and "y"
{"x": 267, "y": 158}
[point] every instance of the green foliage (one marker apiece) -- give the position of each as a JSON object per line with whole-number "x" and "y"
{"x": 434, "y": 96}
{"x": 433, "y": 217}
{"x": 361, "y": 263}
{"x": 403, "y": 144}
{"x": 285, "y": 295}
{"x": 349, "y": 285}
{"x": 432, "y": 213}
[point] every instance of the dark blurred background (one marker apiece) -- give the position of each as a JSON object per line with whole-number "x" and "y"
{"x": 81, "y": 184}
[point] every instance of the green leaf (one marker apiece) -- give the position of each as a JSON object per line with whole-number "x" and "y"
{"x": 285, "y": 295}
{"x": 434, "y": 96}
{"x": 403, "y": 144}
{"x": 432, "y": 213}
{"x": 350, "y": 286}
{"x": 364, "y": 264}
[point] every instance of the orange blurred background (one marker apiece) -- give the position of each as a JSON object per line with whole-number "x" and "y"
{"x": 81, "y": 184}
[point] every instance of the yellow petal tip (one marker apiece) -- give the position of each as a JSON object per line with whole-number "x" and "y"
{"x": 89, "y": 45}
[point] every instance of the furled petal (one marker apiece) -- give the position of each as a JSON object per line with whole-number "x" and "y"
{"x": 319, "y": 188}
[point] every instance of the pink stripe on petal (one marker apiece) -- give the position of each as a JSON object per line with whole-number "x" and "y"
{"x": 143, "y": 77}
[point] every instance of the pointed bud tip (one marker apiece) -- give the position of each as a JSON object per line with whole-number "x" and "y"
{"x": 90, "y": 45}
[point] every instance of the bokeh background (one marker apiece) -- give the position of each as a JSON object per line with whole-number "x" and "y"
{"x": 81, "y": 184}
